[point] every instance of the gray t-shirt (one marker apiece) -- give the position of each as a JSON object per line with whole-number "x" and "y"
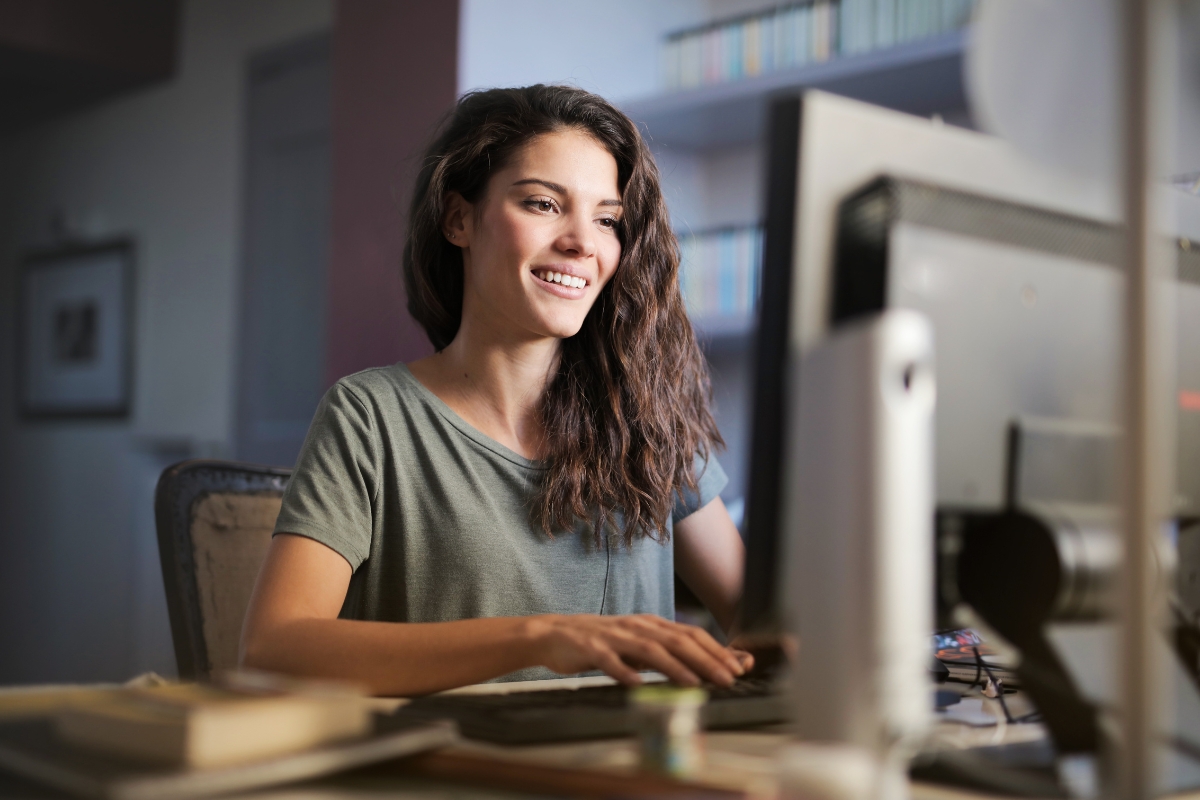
{"x": 433, "y": 517}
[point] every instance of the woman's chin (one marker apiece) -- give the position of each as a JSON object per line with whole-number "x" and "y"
{"x": 562, "y": 330}
{"x": 567, "y": 332}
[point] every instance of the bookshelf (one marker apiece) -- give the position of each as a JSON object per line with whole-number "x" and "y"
{"x": 920, "y": 77}
{"x": 708, "y": 141}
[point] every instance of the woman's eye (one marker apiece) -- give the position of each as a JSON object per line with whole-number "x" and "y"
{"x": 609, "y": 222}
{"x": 541, "y": 204}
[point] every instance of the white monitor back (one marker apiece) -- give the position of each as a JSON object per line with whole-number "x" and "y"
{"x": 845, "y": 143}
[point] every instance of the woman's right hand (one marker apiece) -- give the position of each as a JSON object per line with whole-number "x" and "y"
{"x": 621, "y": 645}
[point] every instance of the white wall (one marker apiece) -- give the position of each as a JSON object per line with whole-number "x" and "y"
{"x": 615, "y": 51}
{"x": 609, "y": 48}
{"x": 80, "y": 595}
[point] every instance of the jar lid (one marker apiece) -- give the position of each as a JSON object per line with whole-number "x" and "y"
{"x": 662, "y": 694}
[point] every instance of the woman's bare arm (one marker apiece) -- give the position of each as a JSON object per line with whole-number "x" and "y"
{"x": 292, "y": 627}
{"x": 709, "y": 556}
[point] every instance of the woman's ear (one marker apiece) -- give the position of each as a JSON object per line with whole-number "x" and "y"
{"x": 457, "y": 219}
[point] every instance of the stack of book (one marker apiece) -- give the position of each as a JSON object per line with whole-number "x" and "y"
{"x": 176, "y": 741}
{"x": 720, "y": 270}
{"x": 796, "y": 34}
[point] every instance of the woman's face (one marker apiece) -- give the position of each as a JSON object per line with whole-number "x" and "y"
{"x": 541, "y": 243}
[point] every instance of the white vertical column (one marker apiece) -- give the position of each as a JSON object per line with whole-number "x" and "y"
{"x": 1137, "y": 764}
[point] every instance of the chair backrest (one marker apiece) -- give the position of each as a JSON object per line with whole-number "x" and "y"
{"x": 214, "y": 521}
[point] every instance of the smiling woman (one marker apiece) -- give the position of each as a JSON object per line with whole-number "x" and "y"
{"x": 531, "y": 241}
{"x": 516, "y": 504}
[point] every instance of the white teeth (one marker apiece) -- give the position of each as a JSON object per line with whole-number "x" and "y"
{"x": 562, "y": 278}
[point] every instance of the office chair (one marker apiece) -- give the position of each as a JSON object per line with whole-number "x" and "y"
{"x": 214, "y": 522}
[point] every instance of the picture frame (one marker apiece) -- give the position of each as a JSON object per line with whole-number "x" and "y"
{"x": 75, "y": 338}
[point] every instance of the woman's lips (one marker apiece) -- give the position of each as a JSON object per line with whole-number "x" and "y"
{"x": 562, "y": 278}
{"x": 571, "y": 287}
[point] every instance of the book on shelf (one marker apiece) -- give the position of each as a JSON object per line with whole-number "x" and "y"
{"x": 719, "y": 272}
{"x": 795, "y": 34}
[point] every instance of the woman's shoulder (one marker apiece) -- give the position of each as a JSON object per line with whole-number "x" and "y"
{"x": 377, "y": 392}
{"x": 371, "y": 385}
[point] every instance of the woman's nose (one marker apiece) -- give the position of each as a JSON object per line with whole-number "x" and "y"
{"x": 578, "y": 238}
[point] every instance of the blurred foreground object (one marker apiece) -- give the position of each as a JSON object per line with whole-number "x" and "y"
{"x": 669, "y": 730}
{"x": 819, "y": 771}
{"x": 1045, "y": 75}
{"x": 861, "y": 523}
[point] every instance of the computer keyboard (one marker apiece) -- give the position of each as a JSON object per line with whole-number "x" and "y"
{"x": 594, "y": 712}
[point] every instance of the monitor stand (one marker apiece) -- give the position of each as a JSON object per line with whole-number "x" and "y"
{"x": 858, "y": 514}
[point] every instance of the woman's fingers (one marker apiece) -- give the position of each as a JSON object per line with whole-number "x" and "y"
{"x": 744, "y": 658}
{"x": 621, "y": 645}
{"x": 697, "y": 648}
{"x": 655, "y": 656}
{"x": 716, "y": 649}
{"x": 682, "y": 644}
{"x": 687, "y": 649}
{"x": 607, "y": 660}
{"x": 703, "y": 639}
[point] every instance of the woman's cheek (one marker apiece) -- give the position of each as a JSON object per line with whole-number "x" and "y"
{"x": 612, "y": 262}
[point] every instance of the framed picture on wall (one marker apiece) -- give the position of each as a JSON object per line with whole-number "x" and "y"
{"x": 76, "y": 331}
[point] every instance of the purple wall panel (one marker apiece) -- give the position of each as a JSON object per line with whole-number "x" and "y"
{"x": 394, "y": 77}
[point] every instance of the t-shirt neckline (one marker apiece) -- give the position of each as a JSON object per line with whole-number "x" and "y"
{"x": 466, "y": 428}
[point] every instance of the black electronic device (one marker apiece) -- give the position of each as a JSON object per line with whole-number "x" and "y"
{"x": 764, "y": 545}
{"x": 591, "y": 712}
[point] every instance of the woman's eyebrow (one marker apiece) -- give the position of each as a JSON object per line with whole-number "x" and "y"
{"x": 554, "y": 187}
{"x": 558, "y": 187}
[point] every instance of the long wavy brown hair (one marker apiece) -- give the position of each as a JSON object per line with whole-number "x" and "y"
{"x": 626, "y": 415}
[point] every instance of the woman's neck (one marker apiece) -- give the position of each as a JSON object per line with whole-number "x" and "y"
{"x": 493, "y": 384}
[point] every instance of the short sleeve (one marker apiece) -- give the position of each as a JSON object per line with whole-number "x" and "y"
{"x": 710, "y": 480}
{"x": 332, "y": 490}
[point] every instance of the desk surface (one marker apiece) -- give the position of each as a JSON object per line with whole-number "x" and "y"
{"x": 743, "y": 761}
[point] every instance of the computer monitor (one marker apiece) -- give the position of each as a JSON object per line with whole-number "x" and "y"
{"x": 1017, "y": 265}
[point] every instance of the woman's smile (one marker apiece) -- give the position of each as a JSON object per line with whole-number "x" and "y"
{"x": 562, "y": 281}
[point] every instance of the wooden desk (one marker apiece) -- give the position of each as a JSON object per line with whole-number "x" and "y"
{"x": 739, "y": 764}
